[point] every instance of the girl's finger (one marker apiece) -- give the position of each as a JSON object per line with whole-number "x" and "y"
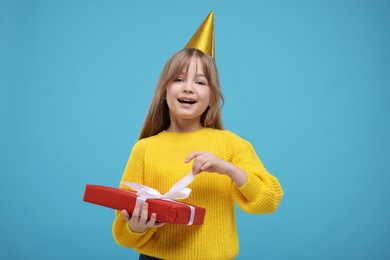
{"x": 160, "y": 224}
{"x": 194, "y": 164}
{"x": 137, "y": 208}
{"x": 191, "y": 156}
{"x": 152, "y": 220}
{"x": 144, "y": 214}
{"x": 125, "y": 215}
{"x": 205, "y": 166}
{"x": 197, "y": 168}
{"x": 135, "y": 215}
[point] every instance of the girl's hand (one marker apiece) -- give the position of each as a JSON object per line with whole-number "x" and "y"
{"x": 139, "y": 223}
{"x": 208, "y": 162}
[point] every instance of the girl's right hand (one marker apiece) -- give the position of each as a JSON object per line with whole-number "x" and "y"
{"x": 139, "y": 223}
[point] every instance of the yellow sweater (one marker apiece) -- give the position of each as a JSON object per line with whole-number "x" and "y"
{"x": 158, "y": 162}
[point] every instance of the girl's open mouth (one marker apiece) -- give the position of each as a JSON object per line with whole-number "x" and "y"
{"x": 186, "y": 101}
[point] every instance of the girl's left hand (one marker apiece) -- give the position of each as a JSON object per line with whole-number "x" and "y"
{"x": 206, "y": 161}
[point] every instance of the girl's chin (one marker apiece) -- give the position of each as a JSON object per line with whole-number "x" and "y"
{"x": 186, "y": 117}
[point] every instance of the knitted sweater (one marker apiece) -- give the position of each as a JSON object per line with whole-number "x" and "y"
{"x": 158, "y": 162}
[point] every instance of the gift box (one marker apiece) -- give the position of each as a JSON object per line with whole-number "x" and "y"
{"x": 168, "y": 211}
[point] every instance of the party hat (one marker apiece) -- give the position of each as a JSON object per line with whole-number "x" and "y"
{"x": 203, "y": 39}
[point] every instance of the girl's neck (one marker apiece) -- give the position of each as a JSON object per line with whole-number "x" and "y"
{"x": 184, "y": 127}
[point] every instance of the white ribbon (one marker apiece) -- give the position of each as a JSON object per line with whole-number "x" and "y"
{"x": 178, "y": 191}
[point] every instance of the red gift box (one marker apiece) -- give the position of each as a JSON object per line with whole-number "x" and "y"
{"x": 167, "y": 211}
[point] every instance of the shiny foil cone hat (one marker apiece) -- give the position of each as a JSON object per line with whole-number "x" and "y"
{"x": 203, "y": 39}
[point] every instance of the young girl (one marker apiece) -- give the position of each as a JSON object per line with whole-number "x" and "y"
{"x": 183, "y": 132}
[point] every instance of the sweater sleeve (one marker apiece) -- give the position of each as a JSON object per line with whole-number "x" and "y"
{"x": 121, "y": 231}
{"x": 262, "y": 192}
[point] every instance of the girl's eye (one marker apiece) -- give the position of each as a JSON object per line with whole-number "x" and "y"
{"x": 178, "y": 80}
{"x": 201, "y": 83}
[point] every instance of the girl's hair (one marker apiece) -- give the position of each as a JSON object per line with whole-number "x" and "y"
{"x": 158, "y": 118}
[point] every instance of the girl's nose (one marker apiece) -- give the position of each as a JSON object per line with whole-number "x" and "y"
{"x": 188, "y": 88}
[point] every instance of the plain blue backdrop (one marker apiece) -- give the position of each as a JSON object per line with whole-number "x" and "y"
{"x": 306, "y": 82}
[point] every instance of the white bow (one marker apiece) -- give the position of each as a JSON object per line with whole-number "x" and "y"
{"x": 178, "y": 191}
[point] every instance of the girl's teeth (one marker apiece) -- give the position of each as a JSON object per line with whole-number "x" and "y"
{"x": 186, "y": 101}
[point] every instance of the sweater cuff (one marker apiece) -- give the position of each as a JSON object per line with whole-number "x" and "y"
{"x": 252, "y": 187}
{"x": 124, "y": 236}
{"x": 140, "y": 237}
{"x": 135, "y": 235}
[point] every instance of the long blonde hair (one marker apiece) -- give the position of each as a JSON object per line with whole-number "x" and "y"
{"x": 158, "y": 118}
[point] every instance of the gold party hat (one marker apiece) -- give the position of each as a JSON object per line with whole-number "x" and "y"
{"x": 203, "y": 39}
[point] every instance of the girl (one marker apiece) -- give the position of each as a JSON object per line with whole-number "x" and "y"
{"x": 183, "y": 132}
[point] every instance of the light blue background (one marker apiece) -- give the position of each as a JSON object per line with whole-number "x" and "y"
{"x": 306, "y": 82}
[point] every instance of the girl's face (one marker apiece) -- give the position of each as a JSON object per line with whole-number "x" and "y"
{"x": 188, "y": 96}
